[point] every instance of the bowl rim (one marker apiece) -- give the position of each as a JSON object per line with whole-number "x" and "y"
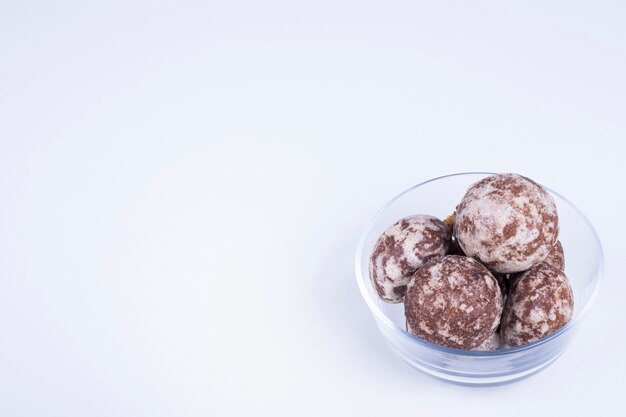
{"x": 378, "y": 313}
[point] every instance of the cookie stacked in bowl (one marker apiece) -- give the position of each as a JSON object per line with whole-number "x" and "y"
{"x": 490, "y": 276}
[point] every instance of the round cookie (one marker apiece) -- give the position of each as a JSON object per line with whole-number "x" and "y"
{"x": 453, "y": 301}
{"x": 491, "y": 343}
{"x": 540, "y": 302}
{"x": 506, "y": 221}
{"x": 401, "y": 250}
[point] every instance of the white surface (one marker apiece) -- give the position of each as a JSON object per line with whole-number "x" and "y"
{"x": 182, "y": 186}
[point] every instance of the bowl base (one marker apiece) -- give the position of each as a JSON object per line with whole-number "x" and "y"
{"x": 475, "y": 380}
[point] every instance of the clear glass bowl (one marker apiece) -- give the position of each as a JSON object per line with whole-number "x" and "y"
{"x": 439, "y": 197}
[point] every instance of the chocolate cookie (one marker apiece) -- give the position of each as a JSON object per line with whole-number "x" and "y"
{"x": 508, "y": 222}
{"x": 453, "y": 301}
{"x": 401, "y": 250}
{"x": 540, "y": 302}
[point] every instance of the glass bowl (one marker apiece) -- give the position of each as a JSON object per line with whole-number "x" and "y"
{"x": 439, "y": 197}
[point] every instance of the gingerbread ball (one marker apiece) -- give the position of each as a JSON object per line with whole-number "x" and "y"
{"x": 507, "y": 221}
{"x": 401, "y": 250}
{"x": 453, "y": 301}
{"x": 540, "y": 302}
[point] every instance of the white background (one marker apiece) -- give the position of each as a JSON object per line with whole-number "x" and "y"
{"x": 182, "y": 186}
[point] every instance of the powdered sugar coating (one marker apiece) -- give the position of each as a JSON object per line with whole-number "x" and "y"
{"x": 453, "y": 301}
{"x": 401, "y": 250}
{"x": 455, "y": 249}
{"x": 540, "y": 302}
{"x": 491, "y": 343}
{"x": 556, "y": 257}
{"x": 508, "y": 222}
